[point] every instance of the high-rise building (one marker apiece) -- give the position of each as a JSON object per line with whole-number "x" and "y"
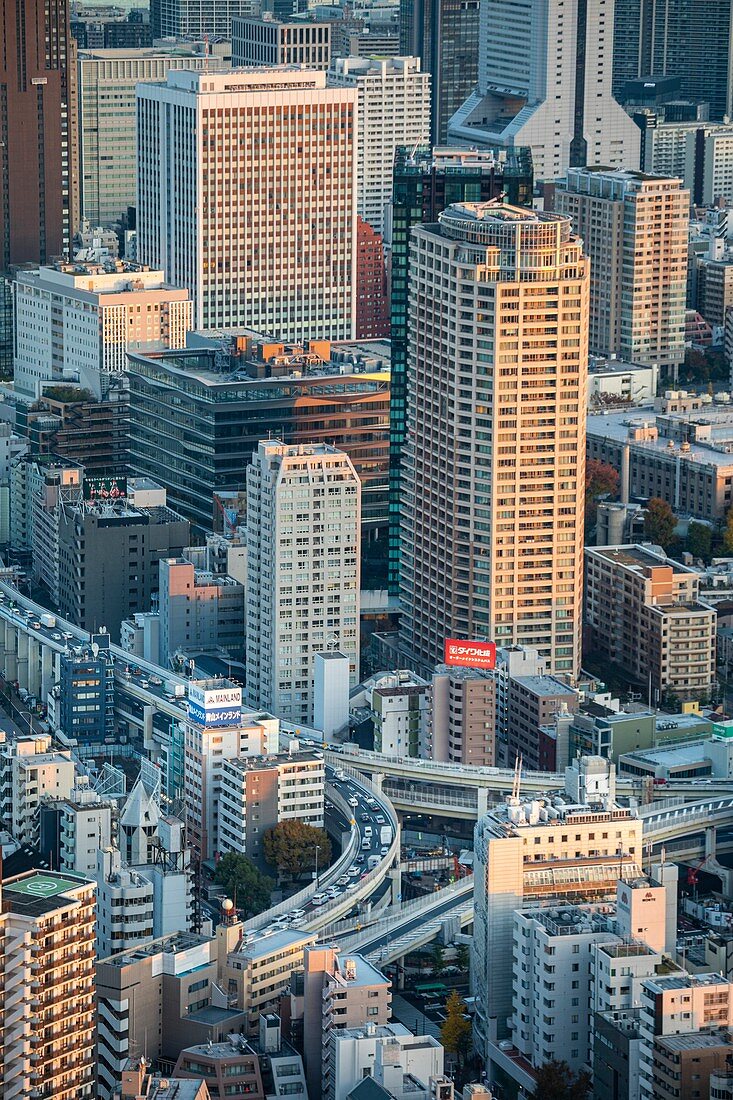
{"x": 634, "y": 229}
{"x": 372, "y": 303}
{"x": 279, "y": 255}
{"x": 303, "y": 565}
{"x": 38, "y": 184}
{"x": 492, "y": 538}
{"x": 107, "y": 121}
{"x": 84, "y": 317}
{"x": 393, "y": 110}
{"x": 425, "y": 182}
{"x": 197, "y": 19}
{"x": 271, "y": 41}
{"x": 444, "y": 34}
{"x": 47, "y": 1004}
{"x": 544, "y": 80}
{"x": 300, "y": 394}
{"x": 690, "y": 39}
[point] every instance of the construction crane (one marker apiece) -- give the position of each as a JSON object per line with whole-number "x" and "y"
{"x": 693, "y": 873}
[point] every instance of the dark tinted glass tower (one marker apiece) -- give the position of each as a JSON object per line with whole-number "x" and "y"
{"x": 424, "y": 184}
{"x": 686, "y": 38}
{"x": 444, "y": 35}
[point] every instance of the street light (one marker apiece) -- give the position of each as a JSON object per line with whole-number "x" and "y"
{"x": 315, "y": 876}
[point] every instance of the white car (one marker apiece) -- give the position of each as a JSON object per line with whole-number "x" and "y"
{"x": 353, "y": 801}
{"x": 334, "y": 892}
{"x": 297, "y": 914}
{"x": 383, "y": 850}
{"x": 353, "y": 870}
{"x": 343, "y": 881}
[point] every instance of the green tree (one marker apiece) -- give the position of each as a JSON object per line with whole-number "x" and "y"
{"x": 601, "y": 480}
{"x": 699, "y": 540}
{"x": 728, "y": 533}
{"x": 291, "y": 847}
{"x": 244, "y": 883}
{"x": 456, "y": 1032}
{"x": 659, "y": 522}
{"x": 556, "y": 1081}
{"x": 438, "y": 960}
{"x": 463, "y": 956}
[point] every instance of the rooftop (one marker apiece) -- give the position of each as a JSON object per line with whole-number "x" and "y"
{"x": 217, "y": 1052}
{"x": 166, "y": 945}
{"x": 544, "y": 685}
{"x": 374, "y": 1031}
{"x": 685, "y": 981}
{"x": 615, "y": 426}
{"x": 257, "y": 763}
{"x": 41, "y": 892}
{"x": 261, "y": 946}
{"x": 638, "y": 559}
{"x": 695, "y": 1040}
{"x": 355, "y": 970}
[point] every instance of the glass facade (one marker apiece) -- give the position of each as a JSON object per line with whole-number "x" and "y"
{"x": 424, "y": 186}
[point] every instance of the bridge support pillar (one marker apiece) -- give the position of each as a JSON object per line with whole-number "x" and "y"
{"x": 47, "y": 671}
{"x": 21, "y": 674}
{"x": 377, "y": 781}
{"x": 11, "y": 653}
{"x": 148, "y": 713}
{"x": 483, "y": 800}
{"x": 34, "y": 666}
{"x": 710, "y": 838}
{"x": 395, "y": 877}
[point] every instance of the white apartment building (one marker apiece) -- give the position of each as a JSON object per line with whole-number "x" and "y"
{"x": 107, "y": 108}
{"x": 30, "y": 771}
{"x": 303, "y": 568}
{"x": 256, "y": 793}
{"x": 400, "y": 706}
{"x": 47, "y": 964}
{"x": 545, "y": 81}
{"x": 124, "y": 905}
{"x": 246, "y": 195}
{"x": 368, "y": 1051}
{"x": 86, "y": 824}
{"x": 538, "y": 851}
{"x": 76, "y": 322}
{"x": 717, "y": 182}
{"x": 635, "y": 230}
{"x": 492, "y": 539}
{"x": 206, "y": 747}
{"x": 393, "y": 109}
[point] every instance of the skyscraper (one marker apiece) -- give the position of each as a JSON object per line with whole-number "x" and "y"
{"x": 302, "y": 571}
{"x": 393, "y": 109}
{"x": 425, "y": 182}
{"x": 544, "y": 80}
{"x": 691, "y": 39}
{"x": 492, "y": 536}
{"x": 246, "y": 195}
{"x": 37, "y": 132}
{"x": 634, "y": 228}
{"x": 47, "y": 989}
{"x": 444, "y": 34}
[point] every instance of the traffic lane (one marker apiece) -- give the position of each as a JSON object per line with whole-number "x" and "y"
{"x": 388, "y": 937}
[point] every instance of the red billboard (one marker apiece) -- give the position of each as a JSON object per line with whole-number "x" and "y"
{"x": 470, "y": 654}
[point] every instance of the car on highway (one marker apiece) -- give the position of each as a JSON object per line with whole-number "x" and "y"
{"x": 353, "y": 870}
{"x": 365, "y": 817}
{"x": 360, "y": 859}
{"x": 383, "y": 850}
{"x": 335, "y": 892}
{"x": 297, "y": 914}
{"x": 380, "y": 819}
{"x": 319, "y": 899}
{"x": 343, "y": 881}
{"x": 353, "y": 801}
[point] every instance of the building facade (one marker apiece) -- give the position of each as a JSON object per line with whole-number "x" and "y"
{"x": 197, "y": 19}
{"x": 79, "y": 321}
{"x": 634, "y": 229}
{"x": 303, "y": 567}
{"x": 39, "y": 200}
{"x": 393, "y": 98}
{"x": 301, "y": 394}
{"x": 491, "y": 535}
{"x": 444, "y": 34}
{"x": 425, "y": 182}
{"x": 107, "y": 122}
{"x": 645, "y": 616}
{"x": 270, "y": 41}
{"x": 372, "y": 299}
{"x": 544, "y": 80}
{"x": 279, "y": 256}
{"x": 198, "y": 611}
{"x": 48, "y": 1002}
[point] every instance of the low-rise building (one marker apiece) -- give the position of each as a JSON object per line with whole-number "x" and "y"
{"x": 533, "y": 702}
{"x": 257, "y": 971}
{"x": 84, "y": 710}
{"x": 31, "y": 771}
{"x": 616, "y": 1054}
{"x": 257, "y": 792}
{"x": 389, "y": 1054}
{"x": 400, "y": 702}
{"x": 462, "y": 717}
{"x": 613, "y": 381}
{"x": 684, "y": 1064}
{"x": 73, "y": 829}
{"x": 644, "y": 616}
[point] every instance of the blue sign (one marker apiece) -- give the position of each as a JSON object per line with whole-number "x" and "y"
{"x": 226, "y": 716}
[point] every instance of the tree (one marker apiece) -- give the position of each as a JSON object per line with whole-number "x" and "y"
{"x": 601, "y": 480}
{"x": 438, "y": 960}
{"x": 556, "y": 1081}
{"x": 659, "y": 522}
{"x": 456, "y": 1032}
{"x": 463, "y": 956}
{"x": 728, "y": 533}
{"x": 244, "y": 883}
{"x": 291, "y": 847}
{"x": 699, "y": 540}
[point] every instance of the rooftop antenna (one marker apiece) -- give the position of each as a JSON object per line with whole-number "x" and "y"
{"x": 206, "y": 53}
